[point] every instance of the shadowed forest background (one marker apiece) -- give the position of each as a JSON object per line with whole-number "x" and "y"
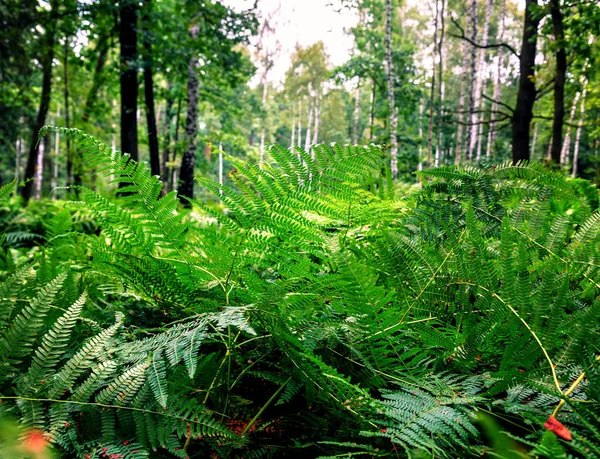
{"x": 215, "y": 244}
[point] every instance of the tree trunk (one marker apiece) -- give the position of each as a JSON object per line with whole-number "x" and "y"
{"x": 46, "y": 63}
{"x": 39, "y": 171}
{"x": 76, "y": 179}
{"x": 565, "y": 152}
{"x": 534, "y": 141}
{"x": 559, "y": 80}
{"x": 167, "y": 142}
{"x": 56, "y": 157}
{"x": 98, "y": 79}
{"x": 128, "y": 77}
{"x": 438, "y": 150}
{"x": 300, "y": 123}
{"x": 432, "y": 90}
{"x": 317, "y": 121}
{"x": 472, "y": 79}
{"x": 264, "y": 121}
{"x": 173, "y": 179}
{"x": 392, "y": 109}
{"x": 149, "y": 91}
{"x": 356, "y": 115}
{"x": 293, "y": 139}
{"x": 459, "y": 128}
{"x": 188, "y": 161}
{"x": 221, "y": 167}
{"x": 308, "y": 126}
{"x": 523, "y": 113}
{"x": 475, "y": 139}
{"x": 578, "y": 135}
{"x": 492, "y": 133}
{"x": 372, "y": 111}
{"x": 421, "y": 110}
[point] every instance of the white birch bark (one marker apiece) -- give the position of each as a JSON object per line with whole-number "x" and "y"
{"x": 221, "y": 168}
{"x": 479, "y": 83}
{"x": 393, "y": 116}
{"x": 492, "y": 133}
{"x": 578, "y": 135}
{"x": 472, "y": 76}
{"x": 533, "y": 143}
{"x": 39, "y": 171}
{"x": 459, "y": 128}
{"x": 293, "y": 126}
{"x": 54, "y": 182}
{"x": 317, "y": 122}
{"x": 432, "y": 93}
{"x": 356, "y": 114}
{"x": 438, "y": 150}
{"x": 565, "y": 152}
{"x": 17, "y": 159}
{"x": 308, "y": 126}
{"x": 300, "y": 123}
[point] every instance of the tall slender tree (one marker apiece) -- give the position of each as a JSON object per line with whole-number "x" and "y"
{"x": 523, "y": 113}
{"x": 149, "y": 88}
{"x": 188, "y": 161}
{"x": 492, "y": 132}
{"x": 129, "y": 84}
{"x": 393, "y": 116}
{"x": 46, "y": 60}
{"x": 559, "y": 79}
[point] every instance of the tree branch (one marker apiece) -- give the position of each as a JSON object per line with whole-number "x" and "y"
{"x": 462, "y": 36}
{"x": 502, "y": 104}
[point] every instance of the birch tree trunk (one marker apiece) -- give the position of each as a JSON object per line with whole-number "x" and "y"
{"x": 39, "y": 171}
{"x": 356, "y": 115}
{"x": 188, "y": 161}
{"x": 390, "y": 69}
{"x": 164, "y": 170}
{"x": 534, "y": 142}
{"x": 317, "y": 122}
{"x": 476, "y": 128}
{"x": 492, "y": 133}
{"x": 173, "y": 179}
{"x": 221, "y": 167}
{"x": 264, "y": 127}
{"x": 293, "y": 126}
{"x": 472, "y": 78}
{"x": 438, "y": 150}
{"x": 565, "y": 152}
{"x": 54, "y": 182}
{"x": 308, "y": 138}
{"x": 459, "y": 128}
{"x": 432, "y": 91}
{"x": 300, "y": 123}
{"x": 578, "y": 135}
{"x": 372, "y": 111}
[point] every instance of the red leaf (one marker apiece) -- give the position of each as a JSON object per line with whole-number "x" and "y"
{"x": 555, "y": 426}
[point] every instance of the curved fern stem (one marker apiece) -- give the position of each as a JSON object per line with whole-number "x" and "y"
{"x": 570, "y": 390}
{"x": 554, "y": 377}
{"x": 264, "y": 407}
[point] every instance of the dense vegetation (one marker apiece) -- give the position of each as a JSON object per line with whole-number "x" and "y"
{"x": 411, "y": 269}
{"x": 318, "y": 316}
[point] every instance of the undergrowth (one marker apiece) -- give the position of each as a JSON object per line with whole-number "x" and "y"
{"x": 310, "y": 313}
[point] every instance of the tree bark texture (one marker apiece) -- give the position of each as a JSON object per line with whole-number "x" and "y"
{"x": 559, "y": 80}
{"x": 164, "y": 170}
{"x": 432, "y": 90}
{"x": 472, "y": 77}
{"x": 46, "y": 59}
{"x": 188, "y": 161}
{"x": 440, "y": 105}
{"x": 459, "y": 128}
{"x": 492, "y": 133}
{"x": 149, "y": 91}
{"x": 578, "y": 135}
{"x": 128, "y": 77}
{"x": 565, "y": 152}
{"x": 480, "y": 89}
{"x": 390, "y": 68}
{"x": 523, "y": 113}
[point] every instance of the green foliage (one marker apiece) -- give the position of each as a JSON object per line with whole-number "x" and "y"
{"x": 312, "y": 314}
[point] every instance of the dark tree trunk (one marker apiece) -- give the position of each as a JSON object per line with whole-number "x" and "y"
{"x": 149, "y": 91}
{"x": 526, "y": 96}
{"x": 129, "y": 86}
{"x": 559, "y": 80}
{"x": 46, "y": 62}
{"x": 98, "y": 78}
{"x": 70, "y": 159}
{"x": 186, "y": 176}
